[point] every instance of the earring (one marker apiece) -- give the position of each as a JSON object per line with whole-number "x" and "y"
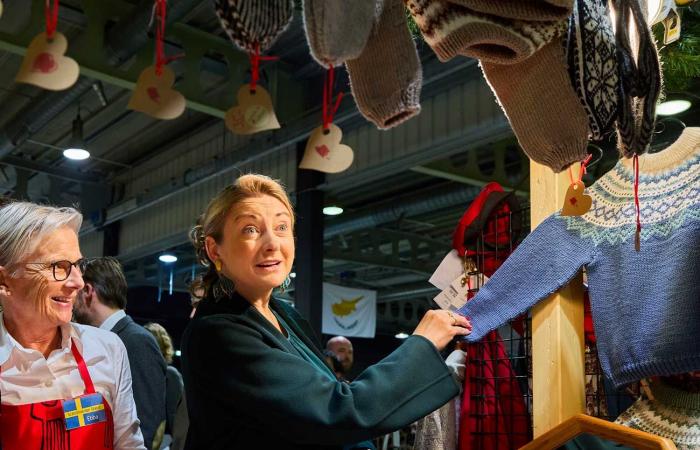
{"x": 285, "y": 284}
{"x": 217, "y": 265}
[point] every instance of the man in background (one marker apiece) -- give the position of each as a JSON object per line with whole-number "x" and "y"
{"x": 341, "y": 347}
{"x": 101, "y": 304}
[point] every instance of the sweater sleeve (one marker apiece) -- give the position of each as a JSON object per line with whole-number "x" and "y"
{"x": 263, "y": 384}
{"x": 543, "y": 263}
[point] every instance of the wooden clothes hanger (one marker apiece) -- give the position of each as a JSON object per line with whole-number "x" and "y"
{"x": 581, "y": 423}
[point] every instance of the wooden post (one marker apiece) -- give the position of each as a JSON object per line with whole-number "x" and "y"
{"x": 558, "y": 390}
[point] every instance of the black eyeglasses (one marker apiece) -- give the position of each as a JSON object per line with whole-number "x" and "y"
{"x": 61, "y": 269}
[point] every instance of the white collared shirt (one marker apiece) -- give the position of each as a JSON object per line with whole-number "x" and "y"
{"x": 112, "y": 320}
{"x": 27, "y": 377}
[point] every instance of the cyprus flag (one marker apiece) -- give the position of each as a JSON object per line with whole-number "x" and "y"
{"x": 348, "y": 311}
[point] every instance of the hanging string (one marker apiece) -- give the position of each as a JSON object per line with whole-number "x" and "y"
{"x": 582, "y": 170}
{"x": 159, "y": 11}
{"x": 638, "y": 233}
{"x": 51, "y": 13}
{"x": 255, "y": 59}
{"x": 329, "y": 109}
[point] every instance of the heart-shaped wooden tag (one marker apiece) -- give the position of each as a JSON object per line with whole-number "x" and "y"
{"x": 325, "y": 153}
{"x": 253, "y": 113}
{"x": 45, "y": 64}
{"x": 576, "y": 202}
{"x": 154, "y": 95}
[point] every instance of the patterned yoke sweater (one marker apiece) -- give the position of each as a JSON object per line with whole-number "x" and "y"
{"x": 646, "y": 304}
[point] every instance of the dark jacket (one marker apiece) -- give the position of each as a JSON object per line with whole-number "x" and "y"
{"x": 247, "y": 388}
{"x": 147, "y": 374}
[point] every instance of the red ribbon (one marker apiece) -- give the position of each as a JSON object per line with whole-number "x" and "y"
{"x": 51, "y": 13}
{"x": 161, "y": 59}
{"x": 637, "y": 236}
{"x": 582, "y": 171}
{"x": 329, "y": 109}
{"x": 255, "y": 59}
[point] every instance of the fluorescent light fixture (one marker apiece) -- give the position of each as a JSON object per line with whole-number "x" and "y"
{"x": 672, "y": 107}
{"x": 332, "y": 210}
{"x": 167, "y": 258}
{"x": 293, "y": 275}
{"x": 401, "y": 335}
{"x": 178, "y": 353}
{"x": 76, "y": 154}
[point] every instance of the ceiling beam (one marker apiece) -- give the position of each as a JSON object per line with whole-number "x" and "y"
{"x": 62, "y": 173}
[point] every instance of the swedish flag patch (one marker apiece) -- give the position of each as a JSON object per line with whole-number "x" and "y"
{"x": 84, "y": 410}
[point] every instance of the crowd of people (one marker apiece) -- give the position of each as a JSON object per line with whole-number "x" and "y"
{"x": 76, "y": 371}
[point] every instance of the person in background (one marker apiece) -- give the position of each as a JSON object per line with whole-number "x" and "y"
{"x": 335, "y": 364}
{"x": 101, "y": 304}
{"x": 174, "y": 386}
{"x": 342, "y": 349}
{"x": 253, "y": 369}
{"x": 45, "y": 360}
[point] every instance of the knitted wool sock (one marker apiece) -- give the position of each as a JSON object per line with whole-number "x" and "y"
{"x": 542, "y": 107}
{"x": 337, "y": 30}
{"x": 550, "y": 10}
{"x": 386, "y": 79}
{"x": 252, "y": 23}
{"x": 452, "y": 29}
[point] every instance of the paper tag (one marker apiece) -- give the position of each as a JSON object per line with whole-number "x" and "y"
{"x": 253, "y": 113}
{"x": 325, "y": 153}
{"x": 450, "y": 268}
{"x": 154, "y": 95}
{"x": 672, "y": 27}
{"x": 84, "y": 410}
{"x": 576, "y": 202}
{"x": 456, "y": 294}
{"x": 45, "y": 64}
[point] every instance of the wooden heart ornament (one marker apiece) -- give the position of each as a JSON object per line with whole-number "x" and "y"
{"x": 576, "y": 203}
{"x": 154, "y": 95}
{"x": 325, "y": 153}
{"x": 254, "y": 112}
{"x": 45, "y": 64}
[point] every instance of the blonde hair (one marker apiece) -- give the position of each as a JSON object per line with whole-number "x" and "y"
{"x": 165, "y": 343}
{"x": 211, "y": 222}
{"x": 23, "y": 225}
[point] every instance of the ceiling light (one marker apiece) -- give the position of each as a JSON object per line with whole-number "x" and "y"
{"x": 332, "y": 210}
{"x": 672, "y": 107}
{"x": 76, "y": 146}
{"x": 293, "y": 275}
{"x": 178, "y": 353}
{"x": 401, "y": 335}
{"x": 167, "y": 258}
{"x": 76, "y": 154}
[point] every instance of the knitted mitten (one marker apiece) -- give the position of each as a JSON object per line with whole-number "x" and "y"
{"x": 252, "y": 23}
{"x": 542, "y": 107}
{"x": 548, "y": 10}
{"x": 337, "y": 30}
{"x": 452, "y": 29}
{"x": 386, "y": 79}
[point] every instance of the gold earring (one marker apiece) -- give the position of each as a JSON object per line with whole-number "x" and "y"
{"x": 217, "y": 265}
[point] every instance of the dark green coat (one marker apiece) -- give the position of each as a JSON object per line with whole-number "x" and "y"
{"x": 247, "y": 388}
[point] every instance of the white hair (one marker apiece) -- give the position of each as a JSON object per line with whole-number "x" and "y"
{"x": 23, "y": 225}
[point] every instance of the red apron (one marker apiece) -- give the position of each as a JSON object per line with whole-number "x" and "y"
{"x": 41, "y": 426}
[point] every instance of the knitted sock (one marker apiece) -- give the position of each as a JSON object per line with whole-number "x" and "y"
{"x": 252, "y": 23}
{"x": 542, "y": 107}
{"x": 452, "y": 29}
{"x": 550, "y": 10}
{"x": 386, "y": 79}
{"x": 337, "y": 30}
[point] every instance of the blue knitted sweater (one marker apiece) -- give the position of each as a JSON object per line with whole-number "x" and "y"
{"x": 646, "y": 304}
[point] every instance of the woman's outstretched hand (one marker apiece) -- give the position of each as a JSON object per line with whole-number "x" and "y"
{"x": 440, "y": 326}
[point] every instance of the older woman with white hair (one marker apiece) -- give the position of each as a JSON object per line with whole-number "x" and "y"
{"x": 63, "y": 386}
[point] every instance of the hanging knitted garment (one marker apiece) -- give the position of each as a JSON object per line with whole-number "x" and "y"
{"x": 250, "y": 24}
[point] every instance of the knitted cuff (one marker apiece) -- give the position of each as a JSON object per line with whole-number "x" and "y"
{"x": 386, "y": 79}
{"x": 251, "y": 24}
{"x": 536, "y": 10}
{"x": 337, "y": 30}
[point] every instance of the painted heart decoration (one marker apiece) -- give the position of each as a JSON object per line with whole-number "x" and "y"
{"x": 154, "y": 95}
{"x": 45, "y": 64}
{"x": 325, "y": 153}
{"x": 576, "y": 202}
{"x": 253, "y": 113}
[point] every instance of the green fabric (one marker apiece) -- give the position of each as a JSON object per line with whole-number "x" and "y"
{"x": 304, "y": 351}
{"x": 247, "y": 387}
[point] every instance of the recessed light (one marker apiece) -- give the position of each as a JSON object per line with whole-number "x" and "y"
{"x": 77, "y": 154}
{"x": 672, "y": 107}
{"x": 401, "y": 335}
{"x": 178, "y": 353}
{"x": 167, "y": 258}
{"x": 332, "y": 210}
